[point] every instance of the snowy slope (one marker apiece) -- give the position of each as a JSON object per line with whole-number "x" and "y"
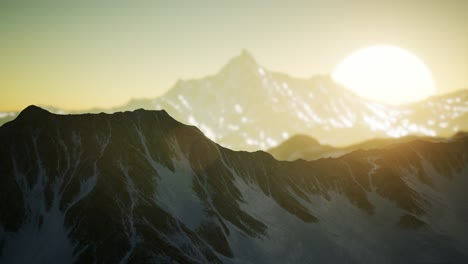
{"x": 140, "y": 187}
{"x": 246, "y": 107}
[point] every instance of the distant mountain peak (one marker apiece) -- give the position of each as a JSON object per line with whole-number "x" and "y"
{"x": 246, "y": 55}
{"x": 304, "y": 138}
{"x": 244, "y": 61}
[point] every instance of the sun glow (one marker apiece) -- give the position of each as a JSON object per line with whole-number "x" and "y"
{"x": 386, "y": 74}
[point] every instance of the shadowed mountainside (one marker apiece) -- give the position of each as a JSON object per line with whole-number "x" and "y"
{"x": 141, "y": 187}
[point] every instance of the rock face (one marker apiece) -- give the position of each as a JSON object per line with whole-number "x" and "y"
{"x": 140, "y": 187}
{"x": 246, "y": 107}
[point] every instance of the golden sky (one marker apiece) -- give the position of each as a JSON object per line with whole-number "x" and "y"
{"x": 77, "y": 55}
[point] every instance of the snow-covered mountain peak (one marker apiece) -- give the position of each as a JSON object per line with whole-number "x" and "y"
{"x": 243, "y": 64}
{"x": 244, "y": 106}
{"x": 244, "y": 59}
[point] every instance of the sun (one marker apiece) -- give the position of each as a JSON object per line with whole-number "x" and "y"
{"x": 387, "y": 74}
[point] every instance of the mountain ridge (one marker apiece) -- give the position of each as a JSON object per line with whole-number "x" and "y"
{"x": 253, "y": 108}
{"x": 308, "y": 148}
{"x": 142, "y": 187}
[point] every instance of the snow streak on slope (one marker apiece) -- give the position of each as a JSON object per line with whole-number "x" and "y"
{"x": 43, "y": 234}
{"x": 140, "y": 187}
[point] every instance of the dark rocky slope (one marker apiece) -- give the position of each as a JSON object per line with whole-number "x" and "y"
{"x": 140, "y": 187}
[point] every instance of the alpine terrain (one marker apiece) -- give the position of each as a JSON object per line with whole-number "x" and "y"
{"x": 246, "y": 107}
{"x": 140, "y": 187}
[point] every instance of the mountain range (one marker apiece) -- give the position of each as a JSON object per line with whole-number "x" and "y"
{"x": 141, "y": 187}
{"x": 308, "y": 148}
{"x": 246, "y": 107}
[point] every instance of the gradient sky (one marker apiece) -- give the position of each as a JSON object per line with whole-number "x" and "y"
{"x": 80, "y": 54}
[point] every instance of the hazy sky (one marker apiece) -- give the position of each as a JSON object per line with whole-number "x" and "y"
{"x": 80, "y": 54}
